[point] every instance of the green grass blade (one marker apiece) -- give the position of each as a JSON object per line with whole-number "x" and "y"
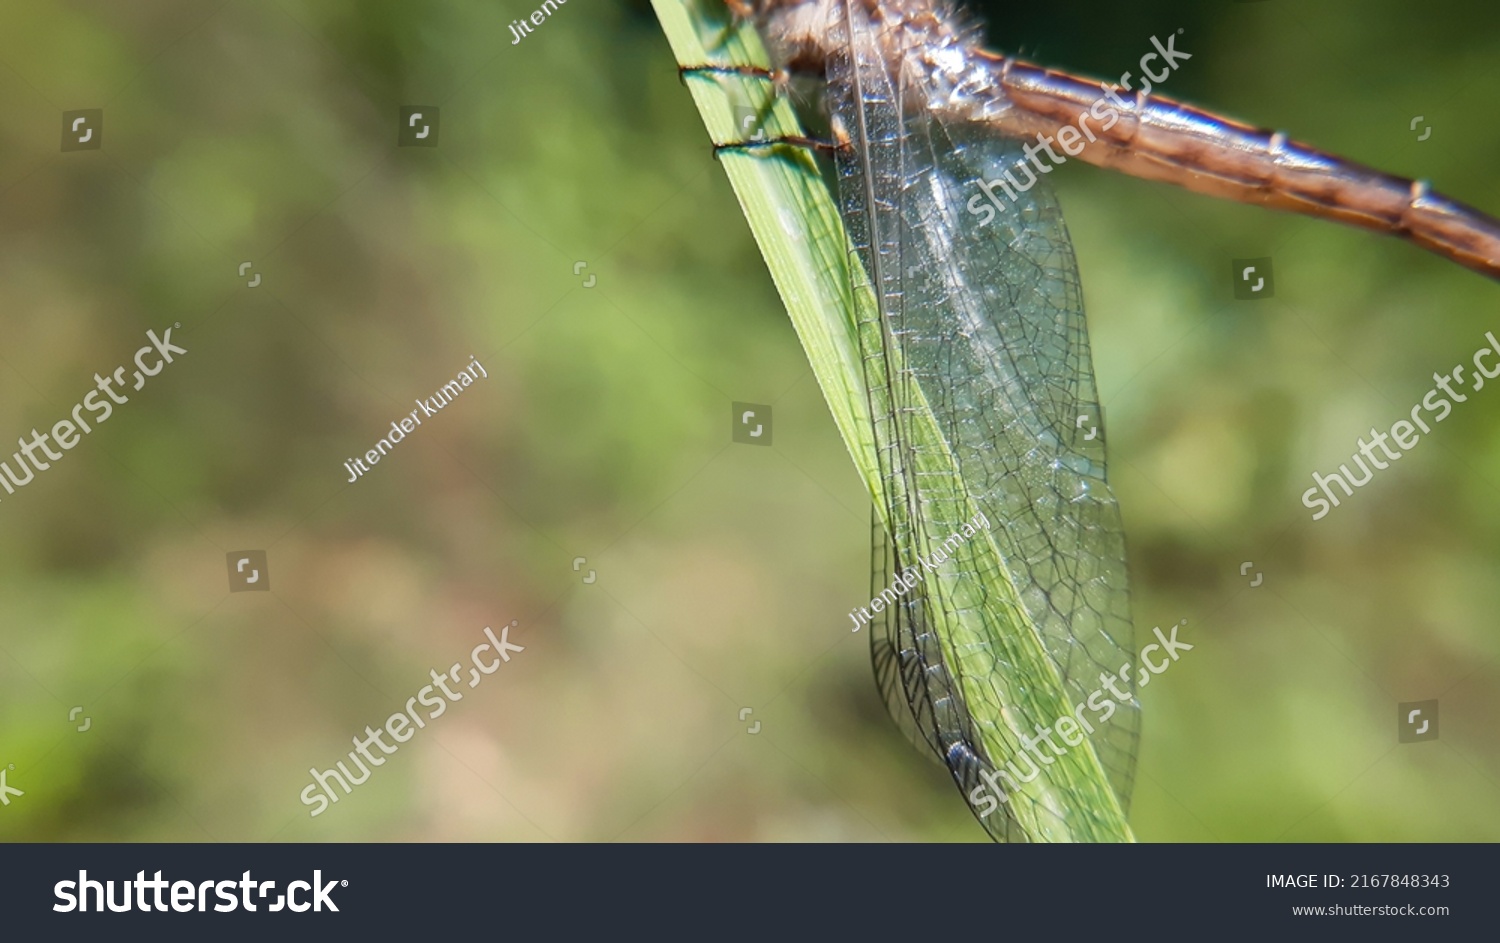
{"x": 798, "y": 229}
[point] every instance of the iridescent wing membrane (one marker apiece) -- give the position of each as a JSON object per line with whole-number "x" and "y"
{"x": 977, "y": 357}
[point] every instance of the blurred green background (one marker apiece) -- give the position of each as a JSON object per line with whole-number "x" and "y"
{"x": 267, "y": 133}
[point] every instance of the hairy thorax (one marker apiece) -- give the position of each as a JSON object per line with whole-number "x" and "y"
{"x": 937, "y": 56}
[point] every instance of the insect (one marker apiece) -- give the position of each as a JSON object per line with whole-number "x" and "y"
{"x": 976, "y": 348}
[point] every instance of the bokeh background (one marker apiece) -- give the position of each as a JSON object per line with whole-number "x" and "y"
{"x": 267, "y": 133}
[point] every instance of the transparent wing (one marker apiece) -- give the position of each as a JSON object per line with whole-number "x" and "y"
{"x": 892, "y": 650}
{"x": 984, "y": 324}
